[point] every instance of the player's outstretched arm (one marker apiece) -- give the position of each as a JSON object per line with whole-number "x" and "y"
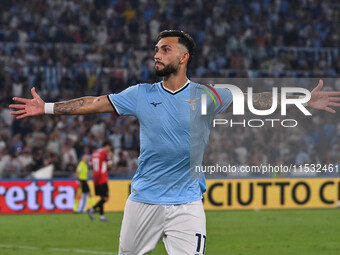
{"x": 324, "y": 100}
{"x": 320, "y": 100}
{"x": 78, "y": 106}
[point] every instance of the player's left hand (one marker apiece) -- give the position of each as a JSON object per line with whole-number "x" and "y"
{"x": 322, "y": 100}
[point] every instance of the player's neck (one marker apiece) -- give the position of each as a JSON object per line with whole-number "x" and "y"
{"x": 174, "y": 82}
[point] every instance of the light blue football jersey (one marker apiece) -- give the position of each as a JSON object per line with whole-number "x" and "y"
{"x": 173, "y": 137}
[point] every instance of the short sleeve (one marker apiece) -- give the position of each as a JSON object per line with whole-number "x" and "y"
{"x": 125, "y": 102}
{"x": 79, "y": 168}
{"x": 226, "y": 99}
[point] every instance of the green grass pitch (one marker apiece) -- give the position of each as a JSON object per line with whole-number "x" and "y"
{"x": 228, "y": 232}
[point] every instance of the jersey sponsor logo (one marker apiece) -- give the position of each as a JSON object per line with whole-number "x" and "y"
{"x": 155, "y": 104}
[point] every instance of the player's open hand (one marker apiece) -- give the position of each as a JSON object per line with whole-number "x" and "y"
{"x": 322, "y": 100}
{"x": 28, "y": 107}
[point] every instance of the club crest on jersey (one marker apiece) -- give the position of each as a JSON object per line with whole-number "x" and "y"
{"x": 192, "y": 103}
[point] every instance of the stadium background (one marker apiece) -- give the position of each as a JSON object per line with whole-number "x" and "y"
{"x": 72, "y": 48}
{"x": 68, "y": 49}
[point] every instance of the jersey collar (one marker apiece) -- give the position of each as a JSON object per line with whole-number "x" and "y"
{"x": 176, "y": 91}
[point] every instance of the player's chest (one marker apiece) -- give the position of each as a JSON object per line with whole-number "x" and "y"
{"x": 165, "y": 109}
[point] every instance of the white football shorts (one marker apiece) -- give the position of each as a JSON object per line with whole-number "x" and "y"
{"x": 182, "y": 228}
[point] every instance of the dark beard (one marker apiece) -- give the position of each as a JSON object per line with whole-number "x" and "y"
{"x": 166, "y": 71}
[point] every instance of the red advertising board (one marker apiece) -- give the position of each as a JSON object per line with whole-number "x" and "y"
{"x": 32, "y": 196}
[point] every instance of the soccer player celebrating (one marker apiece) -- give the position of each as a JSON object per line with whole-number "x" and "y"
{"x": 165, "y": 200}
{"x": 100, "y": 163}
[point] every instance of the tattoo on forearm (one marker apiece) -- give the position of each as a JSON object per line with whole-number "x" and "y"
{"x": 68, "y": 107}
{"x": 263, "y": 101}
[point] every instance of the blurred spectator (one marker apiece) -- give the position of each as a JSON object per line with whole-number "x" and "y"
{"x": 69, "y": 157}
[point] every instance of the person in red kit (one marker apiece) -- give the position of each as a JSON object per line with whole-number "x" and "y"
{"x": 101, "y": 161}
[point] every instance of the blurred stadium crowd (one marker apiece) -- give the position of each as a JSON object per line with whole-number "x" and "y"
{"x": 73, "y": 48}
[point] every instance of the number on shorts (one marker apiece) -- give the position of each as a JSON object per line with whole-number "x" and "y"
{"x": 199, "y": 237}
